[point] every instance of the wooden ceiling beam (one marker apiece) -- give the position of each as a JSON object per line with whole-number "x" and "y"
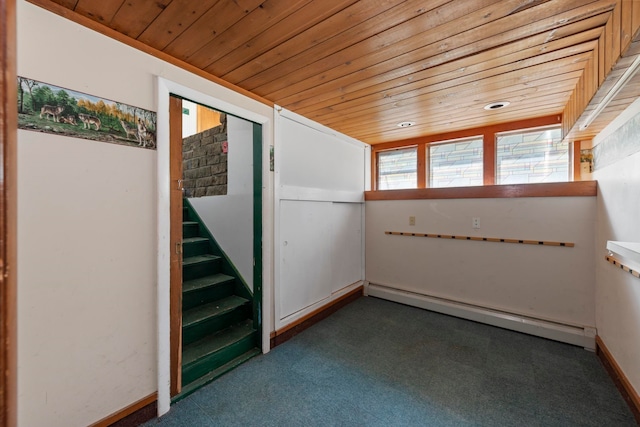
{"x": 452, "y": 123}
{"x": 426, "y": 119}
{"x": 432, "y": 29}
{"x": 103, "y": 29}
{"x": 487, "y": 90}
{"x": 69, "y": 4}
{"x": 134, "y": 17}
{"x": 102, "y": 11}
{"x": 337, "y": 29}
{"x": 175, "y": 19}
{"x": 376, "y": 135}
{"x": 208, "y": 26}
{"x": 524, "y": 66}
{"x": 440, "y": 45}
{"x": 385, "y": 131}
{"x": 299, "y": 21}
{"x": 252, "y": 24}
{"x": 373, "y": 83}
{"x": 558, "y": 92}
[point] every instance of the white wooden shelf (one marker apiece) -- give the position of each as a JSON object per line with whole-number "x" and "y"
{"x": 627, "y": 250}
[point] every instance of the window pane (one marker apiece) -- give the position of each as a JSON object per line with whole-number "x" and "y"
{"x": 398, "y": 169}
{"x": 532, "y": 157}
{"x": 456, "y": 164}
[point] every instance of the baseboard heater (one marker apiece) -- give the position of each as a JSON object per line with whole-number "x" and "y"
{"x": 576, "y": 335}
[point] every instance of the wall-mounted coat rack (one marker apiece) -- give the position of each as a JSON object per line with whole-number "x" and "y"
{"x": 626, "y": 268}
{"x": 482, "y": 239}
{"x": 627, "y": 250}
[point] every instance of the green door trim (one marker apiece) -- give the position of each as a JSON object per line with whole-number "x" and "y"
{"x": 257, "y": 230}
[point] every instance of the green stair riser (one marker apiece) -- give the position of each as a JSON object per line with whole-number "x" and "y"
{"x": 195, "y": 248}
{"x": 213, "y": 361}
{"x": 218, "y": 332}
{"x": 205, "y": 295}
{"x": 215, "y": 324}
{"x": 204, "y": 268}
{"x": 217, "y": 373}
{"x": 190, "y": 230}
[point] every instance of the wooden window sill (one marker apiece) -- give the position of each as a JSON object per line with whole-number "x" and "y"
{"x": 556, "y": 189}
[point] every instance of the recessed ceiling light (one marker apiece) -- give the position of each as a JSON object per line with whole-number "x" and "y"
{"x": 406, "y": 124}
{"x": 496, "y": 105}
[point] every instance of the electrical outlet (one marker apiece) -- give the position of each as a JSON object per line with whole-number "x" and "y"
{"x": 412, "y": 220}
{"x": 475, "y": 222}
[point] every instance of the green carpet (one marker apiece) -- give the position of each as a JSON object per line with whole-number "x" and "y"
{"x": 378, "y": 363}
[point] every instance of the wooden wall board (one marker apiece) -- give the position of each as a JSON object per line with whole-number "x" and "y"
{"x": 8, "y": 217}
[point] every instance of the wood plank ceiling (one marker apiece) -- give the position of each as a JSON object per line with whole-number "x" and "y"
{"x": 361, "y": 67}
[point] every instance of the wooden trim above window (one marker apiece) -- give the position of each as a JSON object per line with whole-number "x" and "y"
{"x": 537, "y": 122}
{"x": 556, "y": 189}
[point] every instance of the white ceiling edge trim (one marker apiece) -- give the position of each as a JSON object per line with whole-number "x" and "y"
{"x": 613, "y": 92}
{"x": 627, "y": 250}
{"x": 618, "y": 122}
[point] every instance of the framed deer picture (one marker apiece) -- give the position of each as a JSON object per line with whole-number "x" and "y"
{"x": 43, "y": 107}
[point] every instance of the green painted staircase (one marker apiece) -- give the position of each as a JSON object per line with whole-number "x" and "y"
{"x": 218, "y": 329}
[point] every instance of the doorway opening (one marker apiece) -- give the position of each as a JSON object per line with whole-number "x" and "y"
{"x": 215, "y": 241}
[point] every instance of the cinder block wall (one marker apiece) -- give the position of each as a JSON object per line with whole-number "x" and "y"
{"x": 203, "y": 162}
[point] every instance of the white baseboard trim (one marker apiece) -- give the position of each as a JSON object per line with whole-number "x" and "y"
{"x": 580, "y": 336}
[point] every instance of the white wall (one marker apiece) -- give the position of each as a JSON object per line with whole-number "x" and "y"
{"x": 617, "y": 292}
{"x": 87, "y": 233}
{"x": 86, "y": 306}
{"x": 320, "y": 180}
{"x": 230, "y": 217}
{"x": 545, "y": 282}
{"x": 189, "y": 121}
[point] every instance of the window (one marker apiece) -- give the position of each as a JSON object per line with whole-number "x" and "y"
{"x": 527, "y": 151}
{"x": 398, "y": 169}
{"x": 532, "y": 157}
{"x": 456, "y": 164}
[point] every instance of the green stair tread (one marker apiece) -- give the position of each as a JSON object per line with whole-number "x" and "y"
{"x": 198, "y": 259}
{"x": 216, "y": 373}
{"x": 205, "y": 282}
{"x": 214, "y": 343}
{"x": 194, "y": 240}
{"x": 212, "y": 309}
